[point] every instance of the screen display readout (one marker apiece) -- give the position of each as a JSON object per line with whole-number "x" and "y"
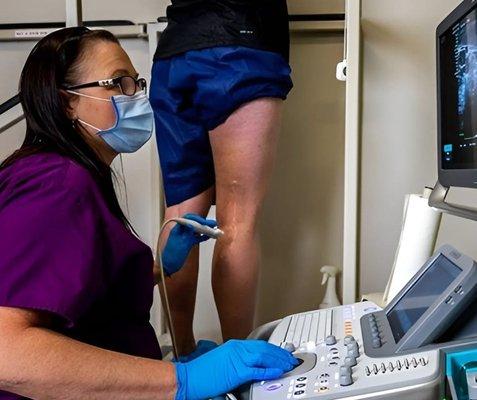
{"x": 458, "y": 94}
{"x": 417, "y": 300}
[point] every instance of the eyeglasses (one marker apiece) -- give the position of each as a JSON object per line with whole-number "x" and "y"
{"x": 128, "y": 85}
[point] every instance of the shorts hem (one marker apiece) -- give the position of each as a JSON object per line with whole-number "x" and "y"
{"x": 220, "y": 120}
{"x": 175, "y": 199}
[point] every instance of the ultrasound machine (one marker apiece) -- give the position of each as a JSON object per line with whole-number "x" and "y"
{"x": 423, "y": 345}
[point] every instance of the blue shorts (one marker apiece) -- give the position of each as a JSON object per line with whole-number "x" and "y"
{"x": 193, "y": 93}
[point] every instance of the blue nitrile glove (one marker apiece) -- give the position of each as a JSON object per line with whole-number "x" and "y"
{"x": 181, "y": 241}
{"x": 203, "y": 346}
{"x": 229, "y": 366}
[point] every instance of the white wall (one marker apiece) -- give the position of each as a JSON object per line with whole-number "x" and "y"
{"x": 399, "y": 129}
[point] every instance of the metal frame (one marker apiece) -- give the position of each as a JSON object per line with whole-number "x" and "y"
{"x": 437, "y": 200}
{"x": 352, "y": 152}
{"x": 12, "y": 121}
{"x": 120, "y": 31}
{"x": 317, "y": 26}
{"x": 153, "y": 32}
{"x": 74, "y": 13}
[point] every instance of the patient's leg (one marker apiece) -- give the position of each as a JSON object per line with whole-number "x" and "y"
{"x": 244, "y": 150}
{"x": 182, "y": 286}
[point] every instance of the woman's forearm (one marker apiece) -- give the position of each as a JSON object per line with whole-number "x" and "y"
{"x": 42, "y": 364}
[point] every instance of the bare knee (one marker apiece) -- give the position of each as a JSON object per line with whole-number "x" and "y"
{"x": 238, "y": 225}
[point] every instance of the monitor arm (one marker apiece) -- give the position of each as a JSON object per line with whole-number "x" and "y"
{"x": 437, "y": 200}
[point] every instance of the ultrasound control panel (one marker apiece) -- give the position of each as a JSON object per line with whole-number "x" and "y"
{"x": 361, "y": 351}
{"x": 334, "y": 364}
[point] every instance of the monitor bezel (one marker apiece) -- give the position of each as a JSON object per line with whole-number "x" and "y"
{"x": 412, "y": 283}
{"x": 420, "y": 334}
{"x": 451, "y": 177}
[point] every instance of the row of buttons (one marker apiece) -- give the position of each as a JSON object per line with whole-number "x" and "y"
{"x": 376, "y": 337}
{"x": 309, "y": 327}
{"x": 299, "y": 388}
{"x": 457, "y": 290}
{"x": 397, "y": 366}
{"x": 348, "y": 315}
{"x": 346, "y": 372}
{"x": 322, "y": 383}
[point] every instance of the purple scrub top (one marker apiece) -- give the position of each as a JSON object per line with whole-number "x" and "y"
{"x": 63, "y": 251}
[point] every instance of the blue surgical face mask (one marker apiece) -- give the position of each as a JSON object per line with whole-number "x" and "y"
{"x": 134, "y": 122}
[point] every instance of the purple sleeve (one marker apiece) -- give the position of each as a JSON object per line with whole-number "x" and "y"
{"x": 52, "y": 251}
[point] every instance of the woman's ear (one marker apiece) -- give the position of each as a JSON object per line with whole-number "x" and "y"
{"x": 71, "y": 104}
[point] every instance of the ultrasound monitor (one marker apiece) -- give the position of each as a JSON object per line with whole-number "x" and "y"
{"x": 457, "y": 96}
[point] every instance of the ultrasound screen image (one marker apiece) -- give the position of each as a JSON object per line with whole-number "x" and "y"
{"x": 458, "y": 81}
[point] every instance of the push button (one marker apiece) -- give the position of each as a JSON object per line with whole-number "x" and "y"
{"x": 345, "y": 370}
{"x": 377, "y": 343}
{"x": 330, "y": 340}
{"x": 349, "y": 339}
{"x": 289, "y": 347}
{"x": 273, "y": 386}
{"x": 350, "y": 361}
{"x": 346, "y": 380}
{"x": 353, "y": 352}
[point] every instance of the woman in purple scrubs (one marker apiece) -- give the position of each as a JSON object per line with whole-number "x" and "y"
{"x": 76, "y": 284}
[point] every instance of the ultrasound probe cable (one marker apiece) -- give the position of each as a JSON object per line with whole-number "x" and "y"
{"x": 214, "y": 233}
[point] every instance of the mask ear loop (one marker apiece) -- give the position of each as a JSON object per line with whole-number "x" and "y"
{"x": 88, "y": 125}
{"x": 75, "y": 121}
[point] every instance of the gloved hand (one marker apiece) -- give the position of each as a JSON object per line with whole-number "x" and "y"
{"x": 203, "y": 346}
{"x": 181, "y": 241}
{"x": 229, "y": 366}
